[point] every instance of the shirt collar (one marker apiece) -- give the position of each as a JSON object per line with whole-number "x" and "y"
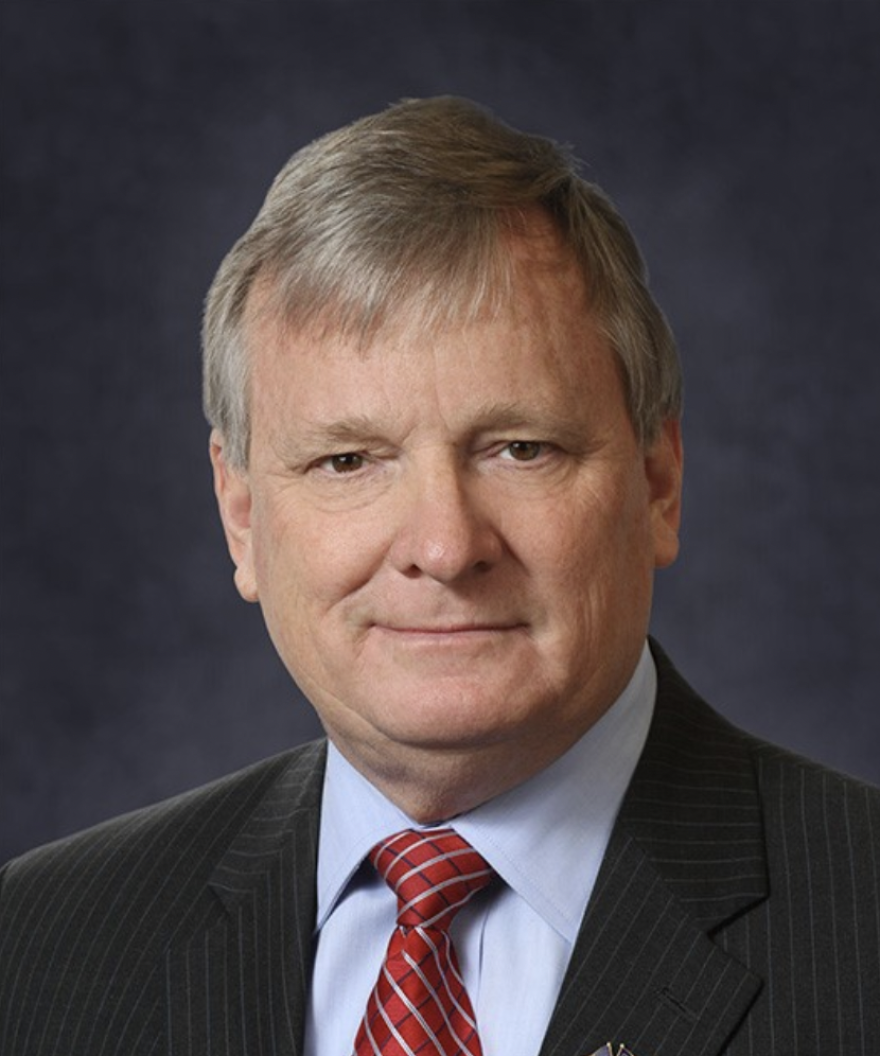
{"x": 545, "y": 838}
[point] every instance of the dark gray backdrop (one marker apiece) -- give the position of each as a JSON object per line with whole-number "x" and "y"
{"x": 740, "y": 140}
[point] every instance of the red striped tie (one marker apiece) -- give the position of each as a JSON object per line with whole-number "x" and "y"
{"x": 419, "y": 1004}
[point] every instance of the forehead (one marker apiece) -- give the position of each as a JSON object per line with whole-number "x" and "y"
{"x": 537, "y": 359}
{"x": 538, "y": 349}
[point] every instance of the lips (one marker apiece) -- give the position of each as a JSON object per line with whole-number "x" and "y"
{"x": 448, "y": 629}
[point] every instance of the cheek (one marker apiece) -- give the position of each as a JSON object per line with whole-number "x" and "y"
{"x": 603, "y": 548}
{"x": 307, "y": 563}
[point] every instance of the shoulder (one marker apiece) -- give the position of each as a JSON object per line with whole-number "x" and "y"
{"x": 181, "y": 836}
{"x": 686, "y": 724}
{"x": 808, "y": 811}
{"x": 820, "y": 825}
{"x": 87, "y": 923}
{"x": 779, "y": 858}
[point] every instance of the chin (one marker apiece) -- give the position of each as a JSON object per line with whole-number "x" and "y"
{"x": 460, "y": 720}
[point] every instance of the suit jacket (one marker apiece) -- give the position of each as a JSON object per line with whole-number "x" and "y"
{"x": 736, "y": 912}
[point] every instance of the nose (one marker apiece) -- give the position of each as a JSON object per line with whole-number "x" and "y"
{"x": 442, "y": 531}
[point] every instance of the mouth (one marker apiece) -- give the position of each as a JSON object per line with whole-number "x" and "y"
{"x": 448, "y": 647}
{"x": 448, "y": 630}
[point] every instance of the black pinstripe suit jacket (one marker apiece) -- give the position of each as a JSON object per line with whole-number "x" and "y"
{"x": 736, "y": 912}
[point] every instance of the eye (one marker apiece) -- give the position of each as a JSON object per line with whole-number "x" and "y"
{"x": 524, "y": 450}
{"x": 347, "y": 462}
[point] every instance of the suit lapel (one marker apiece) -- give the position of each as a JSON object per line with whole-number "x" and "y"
{"x": 686, "y": 855}
{"x": 240, "y": 984}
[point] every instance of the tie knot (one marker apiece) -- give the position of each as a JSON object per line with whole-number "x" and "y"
{"x": 433, "y": 874}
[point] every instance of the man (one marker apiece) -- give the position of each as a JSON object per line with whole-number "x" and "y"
{"x": 447, "y": 459}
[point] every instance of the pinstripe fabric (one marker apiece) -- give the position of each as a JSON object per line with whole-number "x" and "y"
{"x": 737, "y": 912}
{"x": 737, "y": 908}
{"x": 131, "y": 939}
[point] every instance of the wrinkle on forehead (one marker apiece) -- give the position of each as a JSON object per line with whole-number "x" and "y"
{"x": 547, "y": 356}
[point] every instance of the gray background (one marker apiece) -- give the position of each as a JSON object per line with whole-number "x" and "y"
{"x": 739, "y": 139}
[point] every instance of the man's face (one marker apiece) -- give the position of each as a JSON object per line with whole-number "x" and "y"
{"x": 452, "y": 534}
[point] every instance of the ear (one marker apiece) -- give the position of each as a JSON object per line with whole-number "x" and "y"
{"x": 664, "y": 463}
{"x": 233, "y": 491}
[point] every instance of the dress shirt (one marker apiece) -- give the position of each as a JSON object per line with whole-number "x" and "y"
{"x": 545, "y": 839}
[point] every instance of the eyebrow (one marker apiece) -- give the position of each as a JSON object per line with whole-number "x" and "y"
{"x": 360, "y": 430}
{"x": 317, "y": 438}
{"x": 514, "y": 415}
{"x": 508, "y": 417}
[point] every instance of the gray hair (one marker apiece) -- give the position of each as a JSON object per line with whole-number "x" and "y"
{"x": 409, "y": 208}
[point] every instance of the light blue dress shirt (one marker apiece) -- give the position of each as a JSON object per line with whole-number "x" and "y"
{"x": 545, "y": 838}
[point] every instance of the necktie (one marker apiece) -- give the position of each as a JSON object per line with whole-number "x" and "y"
{"x": 419, "y": 1005}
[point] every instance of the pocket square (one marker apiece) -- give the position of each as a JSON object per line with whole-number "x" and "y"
{"x": 608, "y": 1049}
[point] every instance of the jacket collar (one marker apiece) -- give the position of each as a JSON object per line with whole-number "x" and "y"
{"x": 243, "y": 975}
{"x": 687, "y": 854}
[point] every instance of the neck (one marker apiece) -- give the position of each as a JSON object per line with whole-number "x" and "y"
{"x": 431, "y": 786}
